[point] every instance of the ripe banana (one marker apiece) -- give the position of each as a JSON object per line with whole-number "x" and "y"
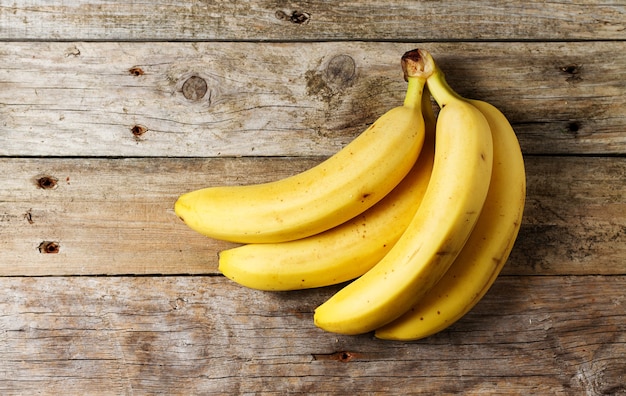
{"x": 448, "y": 212}
{"x": 486, "y": 250}
{"x": 336, "y": 190}
{"x": 343, "y": 252}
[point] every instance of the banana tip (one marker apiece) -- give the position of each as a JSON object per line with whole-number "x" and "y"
{"x": 181, "y": 207}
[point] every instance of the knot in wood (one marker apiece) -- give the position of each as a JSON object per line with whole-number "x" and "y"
{"x": 195, "y": 88}
{"x": 571, "y": 68}
{"x": 574, "y": 71}
{"x": 296, "y": 17}
{"x": 341, "y": 70}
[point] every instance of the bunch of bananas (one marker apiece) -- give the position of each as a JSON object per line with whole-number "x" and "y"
{"x": 419, "y": 213}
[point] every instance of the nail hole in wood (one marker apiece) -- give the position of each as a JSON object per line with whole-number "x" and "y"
{"x": 345, "y": 356}
{"x": 136, "y": 71}
{"x": 138, "y": 130}
{"x": 571, "y": 69}
{"x": 574, "y": 127}
{"x": 49, "y": 247}
{"x": 47, "y": 182}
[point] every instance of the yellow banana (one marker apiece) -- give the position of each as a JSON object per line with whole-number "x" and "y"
{"x": 486, "y": 250}
{"x": 336, "y": 190}
{"x": 439, "y": 229}
{"x": 343, "y": 252}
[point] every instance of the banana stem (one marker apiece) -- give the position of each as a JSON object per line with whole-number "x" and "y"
{"x": 440, "y": 89}
{"x": 418, "y": 63}
{"x": 436, "y": 81}
{"x": 414, "y": 92}
{"x": 416, "y": 74}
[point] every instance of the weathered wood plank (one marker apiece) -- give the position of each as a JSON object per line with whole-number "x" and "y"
{"x": 97, "y": 97}
{"x": 298, "y": 99}
{"x": 118, "y": 213}
{"x": 207, "y": 335}
{"x": 115, "y": 216}
{"x": 312, "y": 20}
{"x": 575, "y": 217}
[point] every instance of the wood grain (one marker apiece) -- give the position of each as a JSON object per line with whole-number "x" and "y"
{"x": 290, "y": 99}
{"x": 261, "y": 20}
{"x": 207, "y": 335}
{"x": 110, "y": 110}
{"x": 119, "y": 214}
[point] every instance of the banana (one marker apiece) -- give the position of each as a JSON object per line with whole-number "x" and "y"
{"x": 486, "y": 250}
{"x": 343, "y": 252}
{"x": 448, "y": 212}
{"x": 336, "y": 190}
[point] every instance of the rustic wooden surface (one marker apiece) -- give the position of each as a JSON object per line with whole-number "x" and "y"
{"x": 101, "y": 128}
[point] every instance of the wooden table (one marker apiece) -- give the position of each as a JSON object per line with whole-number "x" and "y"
{"x": 110, "y": 110}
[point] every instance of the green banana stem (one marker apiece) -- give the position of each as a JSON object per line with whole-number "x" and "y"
{"x": 414, "y": 92}
{"x": 416, "y": 75}
{"x": 440, "y": 89}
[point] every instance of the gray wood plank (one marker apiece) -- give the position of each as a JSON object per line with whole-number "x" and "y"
{"x": 115, "y": 216}
{"x": 312, "y": 20}
{"x": 207, "y": 335}
{"x": 263, "y": 99}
